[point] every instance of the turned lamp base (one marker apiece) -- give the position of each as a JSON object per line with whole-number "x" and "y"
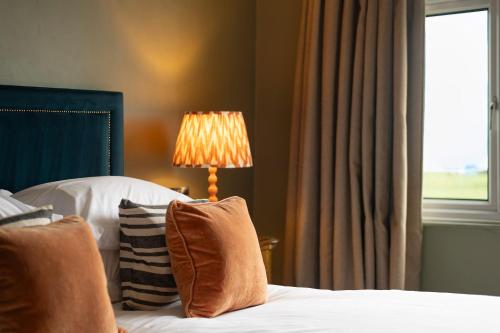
{"x": 212, "y": 184}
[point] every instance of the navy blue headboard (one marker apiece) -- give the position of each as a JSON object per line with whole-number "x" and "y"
{"x": 49, "y": 134}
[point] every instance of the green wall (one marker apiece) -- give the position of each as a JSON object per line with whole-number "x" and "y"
{"x": 461, "y": 258}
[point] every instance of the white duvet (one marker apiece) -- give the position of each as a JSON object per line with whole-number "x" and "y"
{"x": 310, "y": 310}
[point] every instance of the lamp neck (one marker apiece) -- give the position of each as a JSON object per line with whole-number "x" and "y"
{"x": 212, "y": 184}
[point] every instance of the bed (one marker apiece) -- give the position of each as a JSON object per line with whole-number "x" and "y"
{"x": 292, "y": 309}
{"x": 53, "y": 134}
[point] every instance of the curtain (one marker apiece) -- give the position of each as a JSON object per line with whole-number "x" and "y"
{"x": 355, "y": 174}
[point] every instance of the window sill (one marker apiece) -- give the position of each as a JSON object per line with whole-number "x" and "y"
{"x": 461, "y": 218}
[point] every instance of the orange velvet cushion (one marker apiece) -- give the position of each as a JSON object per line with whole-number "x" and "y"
{"x": 215, "y": 257}
{"x": 52, "y": 280}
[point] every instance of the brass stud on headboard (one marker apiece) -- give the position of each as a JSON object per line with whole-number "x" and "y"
{"x": 58, "y": 111}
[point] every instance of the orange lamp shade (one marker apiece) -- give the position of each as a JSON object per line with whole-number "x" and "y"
{"x": 213, "y": 139}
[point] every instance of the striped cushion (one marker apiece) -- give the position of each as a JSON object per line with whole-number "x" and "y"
{"x": 36, "y": 217}
{"x": 146, "y": 279}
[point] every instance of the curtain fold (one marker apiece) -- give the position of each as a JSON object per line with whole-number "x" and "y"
{"x": 355, "y": 175}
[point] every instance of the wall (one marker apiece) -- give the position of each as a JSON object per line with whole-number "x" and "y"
{"x": 171, "y": 56}
{"x": 461, "y": 258}
{"x": 166, "y": 56}
{"x": 276, "y": 46}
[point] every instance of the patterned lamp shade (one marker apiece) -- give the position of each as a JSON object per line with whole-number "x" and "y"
{"x": 213, "y": 139}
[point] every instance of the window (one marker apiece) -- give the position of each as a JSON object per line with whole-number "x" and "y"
{"x": 456, "y": 106}
{"x": 460, "y": 122}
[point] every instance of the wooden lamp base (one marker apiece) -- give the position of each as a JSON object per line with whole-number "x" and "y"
{"x": 212, "y": 184}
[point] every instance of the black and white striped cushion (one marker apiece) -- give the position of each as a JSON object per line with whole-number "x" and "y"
{"x": 146, "y": 279}
{"x": 36, "y": 217}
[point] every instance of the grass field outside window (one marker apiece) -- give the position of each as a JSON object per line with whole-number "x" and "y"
{"x": 454, "y": 185}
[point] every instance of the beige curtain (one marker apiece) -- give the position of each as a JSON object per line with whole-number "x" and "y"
{"x": 355, "y": 178}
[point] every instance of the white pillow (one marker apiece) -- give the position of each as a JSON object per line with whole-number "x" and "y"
{"x": 96, "y": 199}
{"x": 111, "y": 261}
{"x": 5, "y": 193}
{"x": 9, "y": 206}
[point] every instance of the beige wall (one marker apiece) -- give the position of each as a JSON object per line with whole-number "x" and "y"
{"x": 276, "y": 44}
{"x": 166, "y": 56}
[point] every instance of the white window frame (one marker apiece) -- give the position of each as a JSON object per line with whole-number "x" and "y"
{"x": 474, "y": 211}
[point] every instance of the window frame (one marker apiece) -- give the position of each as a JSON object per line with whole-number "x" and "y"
{"x": 474, "y": 211}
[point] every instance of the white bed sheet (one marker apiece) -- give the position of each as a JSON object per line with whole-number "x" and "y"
{"x": 310, "y": 310}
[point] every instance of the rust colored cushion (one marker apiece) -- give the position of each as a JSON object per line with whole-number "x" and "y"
{"x": 52, "y": 280}
{"x": 215, "y": 257}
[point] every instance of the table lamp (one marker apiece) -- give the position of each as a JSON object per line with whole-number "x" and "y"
{"x": 212, "y": 139}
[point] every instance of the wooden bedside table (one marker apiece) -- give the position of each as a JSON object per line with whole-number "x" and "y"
{"x": 267, "y": 244}
{"x": 183, "y": 189}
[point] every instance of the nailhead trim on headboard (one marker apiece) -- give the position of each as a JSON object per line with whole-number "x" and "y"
{"x": 86, "y": 112}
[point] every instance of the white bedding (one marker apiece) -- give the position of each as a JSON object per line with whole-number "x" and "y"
{"x": 310, "y": 310}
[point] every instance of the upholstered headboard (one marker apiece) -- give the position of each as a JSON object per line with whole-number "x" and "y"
{"x": 49, "y": 134}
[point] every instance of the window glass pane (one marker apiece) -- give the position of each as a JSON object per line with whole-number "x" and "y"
{"x": 456, "y": 106}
